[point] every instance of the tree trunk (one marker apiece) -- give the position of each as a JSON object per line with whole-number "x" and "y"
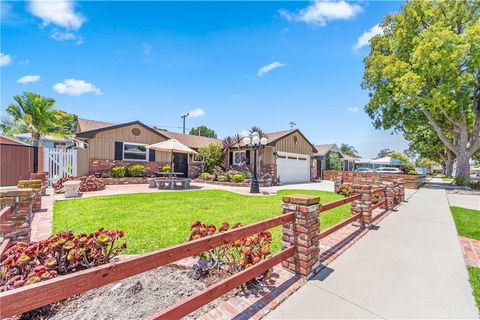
{"x": 449, "y": 164}
{"x": 463, "y": 166}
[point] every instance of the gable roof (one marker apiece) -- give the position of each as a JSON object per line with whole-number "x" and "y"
{"x": 323, "y": 149}
{"x": 191, "y": 141}
{"x": 273, "y": 137}
{"x": 89, "y": 125}
{"x": 91, "y": 133}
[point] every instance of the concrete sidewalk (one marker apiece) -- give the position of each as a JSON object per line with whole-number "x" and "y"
{"x": 410, "y": 267}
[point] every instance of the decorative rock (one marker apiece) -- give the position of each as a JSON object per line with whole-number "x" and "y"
{"x": 71, "y": 188}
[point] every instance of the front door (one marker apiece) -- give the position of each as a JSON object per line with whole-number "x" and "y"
{"x": 180, "y": 163}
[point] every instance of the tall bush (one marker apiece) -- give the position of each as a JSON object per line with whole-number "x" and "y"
{"x": 212, "y": 155}
{"x": 334, "y": 161}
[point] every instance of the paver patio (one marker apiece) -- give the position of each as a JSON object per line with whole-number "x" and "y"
{"x": 412, "y": 266}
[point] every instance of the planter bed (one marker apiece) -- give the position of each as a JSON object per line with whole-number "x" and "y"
{"x": 231, "y": 184}
{"x": 126, "y": 180}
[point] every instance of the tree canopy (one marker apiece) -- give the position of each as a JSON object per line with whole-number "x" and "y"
{"x": 348, "y": 150}
{"x": 34, "y": 114}
{"x": 203, "y": 131}
{"x": 424, "y": 70}
{"x": 383, "y": 153}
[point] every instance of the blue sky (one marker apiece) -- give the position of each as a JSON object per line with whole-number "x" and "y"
{"x": 235, "y": 64}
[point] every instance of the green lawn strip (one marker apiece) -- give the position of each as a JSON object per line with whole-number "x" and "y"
{"x": 467, "y": 222}
{"x": 475, "y": 282}
{"x": 157, "y": 220}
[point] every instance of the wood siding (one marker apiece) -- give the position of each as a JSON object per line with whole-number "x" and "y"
{"x": 102, "y": 146}
{"x": 294, "y": 143}
{"x": 82, "y": 162}
{"x": 16, "y": 163}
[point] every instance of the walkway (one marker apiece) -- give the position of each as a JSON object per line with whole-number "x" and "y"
{"x": 412, "y": 266}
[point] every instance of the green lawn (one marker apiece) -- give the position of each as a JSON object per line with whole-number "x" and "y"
{"x": 475, "y": 282}
{"x": 156, "y": 220}
{"x": 467, "y": 222}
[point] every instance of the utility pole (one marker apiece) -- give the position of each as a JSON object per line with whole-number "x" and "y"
{"x": 292, "y": 124}
{"x": 183, "y": 117}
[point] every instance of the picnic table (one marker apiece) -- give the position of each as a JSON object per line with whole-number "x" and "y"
{"x": 169, "y": 179}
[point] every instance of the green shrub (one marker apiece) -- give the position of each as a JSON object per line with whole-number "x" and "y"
{"x": 246, "y": 175}
{"x": 238, "y": 178}
{"x": 205, "y": 175}
{"x": 166, "y": 169}
{"x": 117, "y": 172}
{"x": 475, "y": 185}
{"x": 136, "y": 171}
{"x": 460, "y": 181}
{"x": 222, "y": 179}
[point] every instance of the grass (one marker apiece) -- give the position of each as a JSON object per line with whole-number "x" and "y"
{"x": 475, "y": 282}
{"x": 157, "y": 220}
{"x": 447, "y": 179}
{"x": 467, "y": 222}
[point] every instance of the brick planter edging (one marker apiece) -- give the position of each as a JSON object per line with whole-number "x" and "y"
{"x": 127, "y": 180}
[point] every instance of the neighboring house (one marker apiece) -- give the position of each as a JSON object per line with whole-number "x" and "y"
{"x": 13, "y": 141}
{"x": 48, "y": 141}
{"x": 288, "y": 155}
{"x": 18, "y": 160}
{"x": 322, "y": 159}
{"x": 110, "y": 145}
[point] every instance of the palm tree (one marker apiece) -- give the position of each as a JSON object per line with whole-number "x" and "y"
{"x": 35, "y": 114}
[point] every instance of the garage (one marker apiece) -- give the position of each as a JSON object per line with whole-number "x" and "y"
{"x": 293, "y": 168}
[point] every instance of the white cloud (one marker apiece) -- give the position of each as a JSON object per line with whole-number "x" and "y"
{"x": 244, "y": 133}
{"x": 322, "y": 11}
{"x": 364, "y": 39}
{"x": 74, "y": 87}
{"x": 24, "y": 62}
{"x": 353, "y": 109}
{"x": 59, "y": 12}
{"x": 28, "y": 79}
{"x": 270, "y": 67}
{"x": 65, "y": 36}
{"x": 5, "y": 59}
{"x": 196, "y": 113}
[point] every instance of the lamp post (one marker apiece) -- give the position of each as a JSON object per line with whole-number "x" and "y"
{"x": 256, "y": 143}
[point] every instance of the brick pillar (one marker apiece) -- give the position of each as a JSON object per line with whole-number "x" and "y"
{"x": 42, "y": 176}
{"x": 364, "y": 205}
{"x": 401, "y": 189}
{"x": 36, "y": 186}
{"x": 390, "y": 195}
{"x": 337, "y": 183}
{"x": 303, "y": 233}
{"x": 16, "y": 214}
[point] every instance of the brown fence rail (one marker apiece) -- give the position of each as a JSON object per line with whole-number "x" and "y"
{"x": 338, "y": 203}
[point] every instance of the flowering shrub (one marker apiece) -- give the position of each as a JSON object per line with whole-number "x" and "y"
{"x": 235, "y": 256}
{"x": 222, "y": 179}
{"x": 136, "y": 171}
{"x": 375, "y": 198}
{"x": 205, "y": 175}
{"x": 117, "y": 172}
{"x": 345, "y": 190}
{"x": 166, "y": 169}
{"x": 62, "y": 253}
{"x": 237, "y": 178}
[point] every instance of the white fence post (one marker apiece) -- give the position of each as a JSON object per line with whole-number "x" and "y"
{"x": 59, "y": 163}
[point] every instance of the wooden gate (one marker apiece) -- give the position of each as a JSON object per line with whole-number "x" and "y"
{"x": 16, "y": 163}
{"x": 59, "y": 163}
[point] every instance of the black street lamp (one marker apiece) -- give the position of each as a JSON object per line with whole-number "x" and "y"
{"x": 256, "y": 143}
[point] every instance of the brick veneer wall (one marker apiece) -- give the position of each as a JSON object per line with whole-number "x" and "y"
{"x": 16, "y": 214}
{"x": 104, "y": 166}
{"x": 411, "y": 181}
{"x": 194, "y": 170}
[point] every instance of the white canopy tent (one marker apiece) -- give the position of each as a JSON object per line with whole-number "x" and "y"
{"x": 377, "y": 163}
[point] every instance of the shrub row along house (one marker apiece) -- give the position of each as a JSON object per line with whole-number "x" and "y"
{"x": 288, "y": 154}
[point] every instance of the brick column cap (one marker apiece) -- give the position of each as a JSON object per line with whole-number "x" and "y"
{"x": 363, "y": 186}
{"x": 301, "y": 199}
{"x": 16, "y": 192}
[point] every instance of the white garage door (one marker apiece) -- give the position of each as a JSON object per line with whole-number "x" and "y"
{"x": 293, "y": 168}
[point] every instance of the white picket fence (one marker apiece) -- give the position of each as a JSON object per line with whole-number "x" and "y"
{"x": 59, "y": 163}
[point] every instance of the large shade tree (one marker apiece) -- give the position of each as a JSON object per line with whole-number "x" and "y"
{"x": 203, "y": 131}
{"x": 34, "y": 114}
{"x": 424, "y": 69}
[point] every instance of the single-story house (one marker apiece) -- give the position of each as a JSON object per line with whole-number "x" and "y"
{"x": 322, "y": 159}
{"x": 110, "y": 145}
{"x": 287, "y": 155}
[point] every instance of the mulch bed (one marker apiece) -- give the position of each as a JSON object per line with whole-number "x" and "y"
{"x": 137, "y": 297}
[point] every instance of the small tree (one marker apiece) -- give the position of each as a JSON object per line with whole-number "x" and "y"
{"x": 407, "y": 165}
{"x": 334, "y": 161}
{"x": 212, "y": 155}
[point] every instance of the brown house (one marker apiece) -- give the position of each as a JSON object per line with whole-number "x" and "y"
{"x": 288, "y": 156}
{"x": 110, "y": 145}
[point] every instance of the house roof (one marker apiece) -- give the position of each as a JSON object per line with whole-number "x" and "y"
{"x": 89, "y": 125}
{"x": 91, "y": 133}
{"x": 349, "y": 158}
{"x": 323, "y": 149}
{"x": 11, "y": 140}
{"x": 191, "y": 141}
{"x": 273, "y": 137}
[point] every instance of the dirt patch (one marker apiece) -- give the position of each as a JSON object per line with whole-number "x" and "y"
{"x": 136, "y": 297}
